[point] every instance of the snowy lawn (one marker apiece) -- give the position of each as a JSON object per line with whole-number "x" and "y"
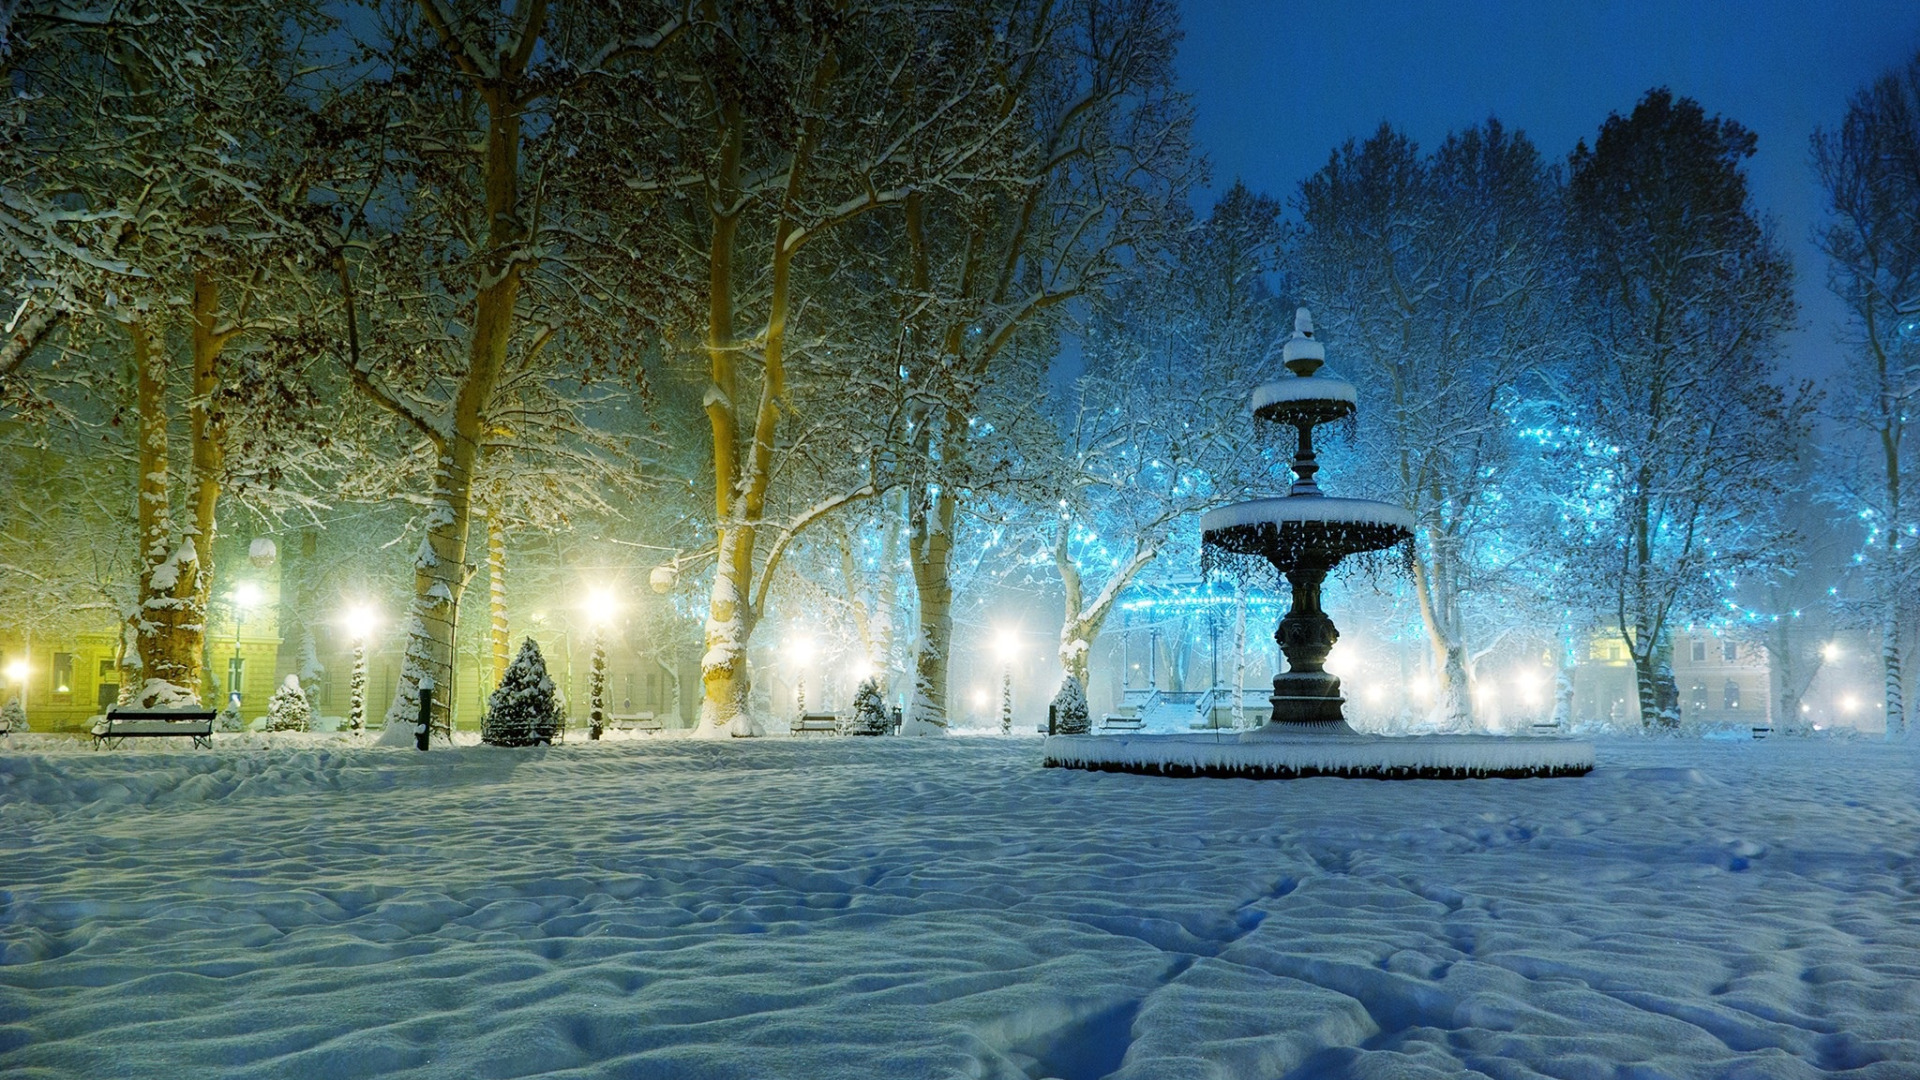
{"x": 898, "y": 908}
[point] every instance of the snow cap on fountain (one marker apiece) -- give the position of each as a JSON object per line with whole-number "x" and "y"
{"x": 1303, "y": 355}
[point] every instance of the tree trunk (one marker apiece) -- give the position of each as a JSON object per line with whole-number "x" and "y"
{"x": 497, "y": 635}
{"x": 170, "y": 624}
{"x": 1890, "y": 665}
{"x": 724, "y": 679}
{"x": 1563, "y": 685}
{"x": 440, "y": 567}
{"x": 1453, "y": 699}
{"x": 931, "y": 531}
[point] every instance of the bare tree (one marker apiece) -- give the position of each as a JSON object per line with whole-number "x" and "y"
{"x": 1684, "y": 435}
{"x": 1435, "y": 275}
{"x": 1870, "y": 168}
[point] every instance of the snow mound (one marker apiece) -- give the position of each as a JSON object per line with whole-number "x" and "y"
{"x": 1265, "y": 754}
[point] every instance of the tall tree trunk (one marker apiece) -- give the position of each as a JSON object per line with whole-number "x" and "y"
{"x": 1890, "y": 666}
{"x": 1563, "y": 682}
{"x": 440, "y": 569}
{"x": 170, "y": 626}
{"x": 1453, "y": 699}
{"x": 497, "y": 635}
{"x": 930, "y": 529}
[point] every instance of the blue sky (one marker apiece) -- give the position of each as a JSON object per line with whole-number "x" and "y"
{"x": 1278, "y": 85}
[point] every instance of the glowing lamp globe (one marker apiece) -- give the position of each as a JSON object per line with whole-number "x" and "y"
{"x": 262, "y": 552}
{"x": 360, "y": 622}
{"x": 663, "y": 578}
{"x": 246, "y": 594}
{"x": 17, "y": 671}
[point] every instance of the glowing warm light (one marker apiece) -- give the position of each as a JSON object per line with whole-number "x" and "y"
{"x": 862, "y": 670}
{"x": 246, "y": 594}
{"x": 1375, "y": 695}
{"x": 1806, "y": 708}
{"x": 1830, "y": 651}
{"x": 17, "y": 671}
{"x": 1006, "y": 645}
{"x": 1528, "y": 682}
{"x": 800, "y": 650}
{"x": 600, "y": 607}
{"x": 980, "y": 699}
{"x": 1850, "y": 703}
{"x": 360, "y": 622}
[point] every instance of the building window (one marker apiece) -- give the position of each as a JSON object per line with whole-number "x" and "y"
{"x": 63, "y": 673}
{"x": 1731, "y": 695}
{"x": 1699, "y": 697}
{"x": 1729, "y": 651}
{"x": 107, "y": 688}
{"x": 1699, "y": 652}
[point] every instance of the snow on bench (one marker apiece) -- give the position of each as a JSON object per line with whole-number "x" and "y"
{"x": 815, "y": 723}
{"x": 644, "y": 723}
{"x": 123, "y": 723}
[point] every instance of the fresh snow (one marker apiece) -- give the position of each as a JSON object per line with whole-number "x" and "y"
{"x": 1306, "y": 508}
{"x": 1294, "y": 388}
{"x": 886, "y": 908}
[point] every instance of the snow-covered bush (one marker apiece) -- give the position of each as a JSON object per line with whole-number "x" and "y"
{"x": 523, "y": 710}
{"x": 869, "y": 711}
{"x": 288, "y": 708}
{"x": 228, "y": 719}
{"x": 13, "y": 716}
{"x": 1070, "y": 709}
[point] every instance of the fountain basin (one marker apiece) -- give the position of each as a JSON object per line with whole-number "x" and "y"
{"x": 1268, "y": 754}
{"x": 1318, "y": 399}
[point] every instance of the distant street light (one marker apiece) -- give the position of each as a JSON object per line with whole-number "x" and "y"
{"x": 600, "y": 607}
{"x": 1830, "y": 652}
{"x": 1006, "y": 644}
{"x": 360, "y": 623}
{"x": 245, "y": 595}
{"x": 800, "y": 652}
{"x": 17, "y": 672}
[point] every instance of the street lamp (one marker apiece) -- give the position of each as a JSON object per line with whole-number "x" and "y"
{"x": 600, "y": 607}
{"x": 1006, "y": 645}
{"x": 360, "y": 623}
{"x": 17, "y": 672}
{"x": 245, "y": 595}
{"x": 800, "y": 651}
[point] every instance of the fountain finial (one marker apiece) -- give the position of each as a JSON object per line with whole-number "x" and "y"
{"x": 1302, "y": 354}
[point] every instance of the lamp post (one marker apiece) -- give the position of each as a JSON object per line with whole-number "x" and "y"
{"x": 17, "y": 672}
{"x": 800, "y": 651}
{"x": 360, "y": 622}
{"x": 600, "y": 608}
{"x": 1006, "y": 644}
{"x": 245, "y": 595}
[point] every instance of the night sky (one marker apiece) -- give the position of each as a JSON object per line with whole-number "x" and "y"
{"x": 1278, "y": 85}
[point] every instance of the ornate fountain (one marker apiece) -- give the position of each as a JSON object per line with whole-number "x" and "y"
{"x": 1304, "y": 534}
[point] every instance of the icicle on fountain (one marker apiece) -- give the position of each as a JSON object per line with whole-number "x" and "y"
{"x": 1304, "y": 535}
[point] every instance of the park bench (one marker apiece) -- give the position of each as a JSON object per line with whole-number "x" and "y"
{"x": 816, "y": 723}
{"x": 1546, "y": 727}
{"x": 1112, "y": 723}
{"x": 122, "y": 723}
{"x": 1761, "y": 731}
{"x": 644, "y": 723}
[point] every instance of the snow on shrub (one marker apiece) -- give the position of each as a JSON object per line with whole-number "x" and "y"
{"x": 288, "y": 708}
{"x": 1070, "y": 709}
{"x": 869, "y": 711}
{"x": 13, "y": 716}
{"x": 523, "y": 710}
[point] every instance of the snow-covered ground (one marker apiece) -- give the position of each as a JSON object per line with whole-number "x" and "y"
{"x": 898, "y": 908}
